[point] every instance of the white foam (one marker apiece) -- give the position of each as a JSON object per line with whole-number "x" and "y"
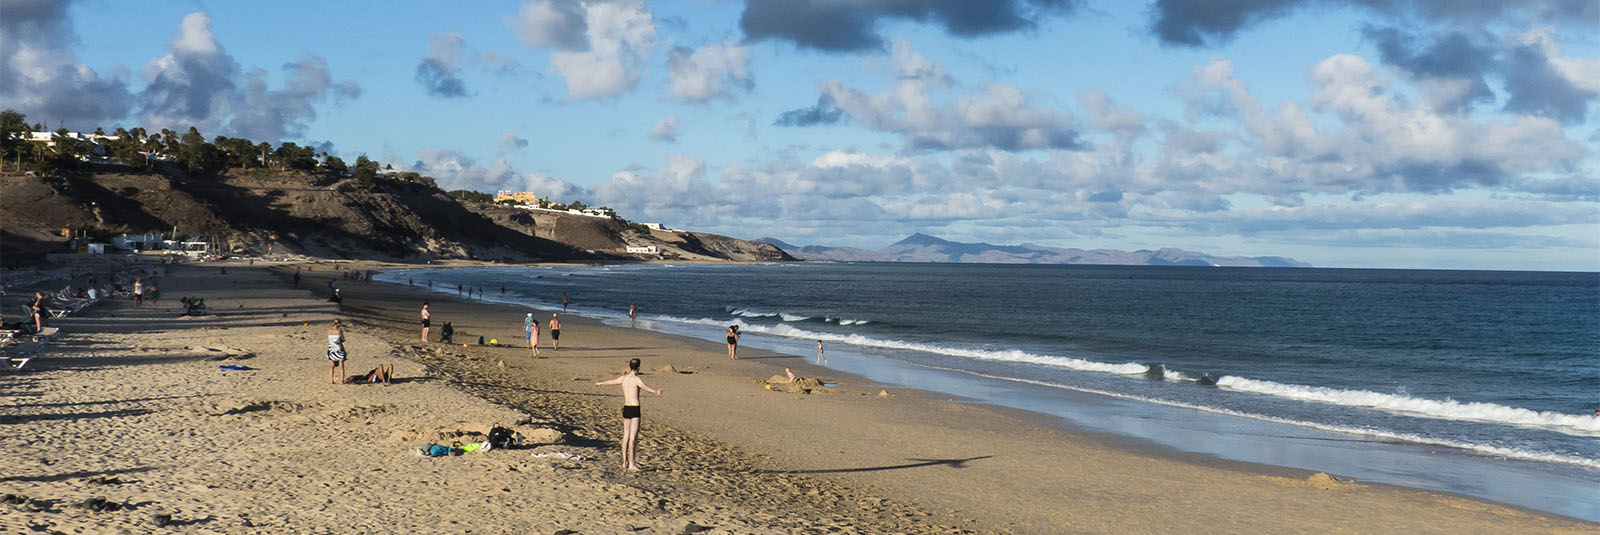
{"x": 1489, "y": 449}
{"x": 1448, "y": 409}
{"x": 1007, "y": 355}
{"x": 793, "y": 317}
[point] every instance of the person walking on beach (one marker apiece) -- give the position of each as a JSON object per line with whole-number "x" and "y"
{"x": 155, "y": 296}
{"x": 138, "y": 292}
{"x": 733, "y": 342}
{"x": 564, "y": 301}
{"x": 530, "y": 330}
{"x": 631, "y": 383}
{"x": 821, "y": 360}
{"x": 296, "y": 277}
{"x": 633, "y": 313}
{"x": 555, "y": 332}
{"x": 426, "y": 316}
{"x": 336, "y": 354}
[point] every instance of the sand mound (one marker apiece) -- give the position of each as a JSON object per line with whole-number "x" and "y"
{"x": 800, "y": 385}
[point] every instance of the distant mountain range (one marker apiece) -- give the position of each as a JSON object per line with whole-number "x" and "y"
{"x": 924, "y": 248}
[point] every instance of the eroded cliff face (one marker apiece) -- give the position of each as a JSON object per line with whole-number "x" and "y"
{"x": 309, "y": 214}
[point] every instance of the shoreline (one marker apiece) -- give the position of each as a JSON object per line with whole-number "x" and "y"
{"x": 1024, "y": 421}
{"x": 906, "y": 463}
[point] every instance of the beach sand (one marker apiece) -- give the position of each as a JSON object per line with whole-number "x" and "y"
{"x": 130, "y": 407}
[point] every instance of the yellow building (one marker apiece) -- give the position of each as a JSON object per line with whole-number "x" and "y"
{"x": 519, "y": 197}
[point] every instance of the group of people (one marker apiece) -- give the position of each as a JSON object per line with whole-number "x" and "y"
{"x": 337, "y": 356}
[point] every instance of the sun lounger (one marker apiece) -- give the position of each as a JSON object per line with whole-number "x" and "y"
{"x": 19, "y": 355}
{"x": 48, "y": 333}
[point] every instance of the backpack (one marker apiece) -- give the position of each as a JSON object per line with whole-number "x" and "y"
{"x": 500, "y": 437}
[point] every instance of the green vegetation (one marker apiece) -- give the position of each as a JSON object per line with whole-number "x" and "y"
{"x": 471, "y": 196}
{"x": 189, "y": 153}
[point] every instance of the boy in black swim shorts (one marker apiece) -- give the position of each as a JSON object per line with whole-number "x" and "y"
{"x": 631, "y": 384}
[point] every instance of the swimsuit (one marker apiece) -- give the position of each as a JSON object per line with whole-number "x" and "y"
{"x": 733, "y": 340}
{"x": 336, "y": 348}
{"x": 630, "y": 411}
{"x": 555, "y": 334}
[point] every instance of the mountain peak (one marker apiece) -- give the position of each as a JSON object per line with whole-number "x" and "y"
{"x": 921, "y": 240}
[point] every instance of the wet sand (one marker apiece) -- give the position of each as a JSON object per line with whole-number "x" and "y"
{"x": 135, "y": 396}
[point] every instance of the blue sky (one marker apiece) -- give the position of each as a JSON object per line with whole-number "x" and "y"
{"x": 1361, "y": 133}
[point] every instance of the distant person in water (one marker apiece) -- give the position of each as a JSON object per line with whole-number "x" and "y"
{"x": 555, "y": 332}
{"x": 336, "y": 354}
{"x": 733, "y": 342}
{"x": 530, "y": 331}
{"x": 564, "y": 301}
{"x": 631, "y": 384}
{"x": 633, "y": 312}
{"x": 821, "y": 360}
{"x": 426, "y": 321}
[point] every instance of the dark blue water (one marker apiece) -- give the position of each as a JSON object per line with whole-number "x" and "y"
{"x": 1492, "y": 369}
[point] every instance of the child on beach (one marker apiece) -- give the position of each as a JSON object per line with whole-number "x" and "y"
{"x": 821, "y": 360}
{"x": 530, "y": 330}
{"x": 155, "y": 296}
{"x": 733, "y": 342}
{"x": 631, "y": 383}
{"x": 336, "y": 354}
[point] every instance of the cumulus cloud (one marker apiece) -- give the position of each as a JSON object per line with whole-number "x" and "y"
{"x": 454, "y": 170}
{"x": 40, "y": 75}
{"x": 999, "y": 116}
{"x": 558, "y": 24}
{"x": 509, "y": 142}
{"x": 1199, "y": 23}
{"x": 440, "y": 72}
{"x": 834, "y": 26}
{"x": 700, "y": 74}
{"x": 199, "y": 84}
{"x": 1383, "y": 143}
{"x": 665, "y": 129}
{"x": 599, "y": 47}
{"x": 821, "y": 113}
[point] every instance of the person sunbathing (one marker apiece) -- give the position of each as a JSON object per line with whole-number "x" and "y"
{"x": 381, "y": 374}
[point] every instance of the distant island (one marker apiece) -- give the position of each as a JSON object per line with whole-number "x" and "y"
{"x": 924, "y": 248}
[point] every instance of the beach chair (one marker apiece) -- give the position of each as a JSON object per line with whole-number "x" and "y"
{"x": 19, "y": 355}
{"x": 47, "y": 334}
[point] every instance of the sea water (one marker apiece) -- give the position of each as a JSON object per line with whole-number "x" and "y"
{"x": 1473, "y": 382}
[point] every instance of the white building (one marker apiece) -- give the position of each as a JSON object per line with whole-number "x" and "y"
{"x": 646, "y": 249}
{"x": 137, "y": 242}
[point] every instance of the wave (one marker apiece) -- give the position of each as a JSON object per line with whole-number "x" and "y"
{"x": 1003, "y": 355}
{"x": 847, "y": 321}
{"x": 1488, "y": 449}
{"x": 747, "y": 313}
{"x": 1448, "y": 409}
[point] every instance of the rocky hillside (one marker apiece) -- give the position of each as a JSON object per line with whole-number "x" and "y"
{"x": 295, "y": 212}
{"x": 614, "y": 236}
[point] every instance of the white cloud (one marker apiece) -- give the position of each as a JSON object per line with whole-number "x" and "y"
{"x": 556, "y": 24}
{"x": 701, "y": 74}
{"x": 620, "y": 36}
{"x": 665, "y": 129}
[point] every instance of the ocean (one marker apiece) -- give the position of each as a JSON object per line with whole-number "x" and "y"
{"x": 1474, "y": 382}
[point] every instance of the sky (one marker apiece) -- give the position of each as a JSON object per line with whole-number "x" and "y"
{"x": 1457, "y": 134}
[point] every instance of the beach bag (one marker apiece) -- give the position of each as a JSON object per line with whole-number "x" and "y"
{"x": 435, "y": 450}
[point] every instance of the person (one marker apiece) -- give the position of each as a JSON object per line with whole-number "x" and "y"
{"x": 821, "y": 360}
{"x": 336, "y": 297}
{"x": 633, "y": 312}
{"x": 94, "y": 293}
{"x": 564, "y": 301}
{"x": 530, "y": 331}
{"x": 733, "y": 342}
{"x": 425, "y": 320}
{"x": 138, "y": 292}
{"x": 40, "y": 308}
{"x": 555, "y": 332}
{"x": 336, "y": 354}
{"x": 381, "y": 374}
{"x": 296, "y": 277}
{"x": 459, "y": 291}
{"x": 631, "y": 383}
{"x": 155, "y": 295}
{"x": 447, "y": 333}
{"x": 410, "y": 281}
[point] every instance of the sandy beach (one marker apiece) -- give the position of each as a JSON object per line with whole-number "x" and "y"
{"x": 130, "y": 407}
